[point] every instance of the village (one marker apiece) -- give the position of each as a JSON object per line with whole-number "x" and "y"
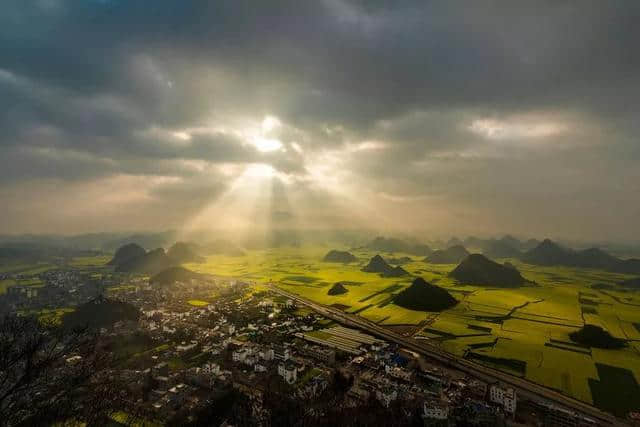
{"x": 261, "y": 343}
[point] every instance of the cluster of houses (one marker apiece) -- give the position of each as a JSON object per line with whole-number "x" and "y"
{"x": 246, "y": 350}
{"x": 51, "y": 289}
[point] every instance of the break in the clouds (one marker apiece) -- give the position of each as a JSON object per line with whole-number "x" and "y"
{"x": 447, "y": 117}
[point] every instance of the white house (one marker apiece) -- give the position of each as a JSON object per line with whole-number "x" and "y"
{"x": 267, "y": 354}
{"x": 387, "y": 395}
{"x": 398, "y": 372}
{"x": 211, "y": 368}
{"x": 73, "y": 360}
{"x": 503, "y": 396}
{"x": 281, "y": 353}
{"x": 239, "y": 355}
{"x": 250, "y": 360}
{"x": 267, "y": 302}
{"x": 435, "y": 409}
{"x": 186, "y": 347}
{"x": 288, "y": 371}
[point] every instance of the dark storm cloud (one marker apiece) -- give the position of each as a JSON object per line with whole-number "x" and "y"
{"x": 416, "y": 55}
{"x": 459, "y": 96}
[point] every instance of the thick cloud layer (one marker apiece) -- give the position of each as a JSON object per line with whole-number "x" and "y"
{"x": 442, "y": 117}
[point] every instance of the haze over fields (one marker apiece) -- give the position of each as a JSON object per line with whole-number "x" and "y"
{"x": 438, "y": 117}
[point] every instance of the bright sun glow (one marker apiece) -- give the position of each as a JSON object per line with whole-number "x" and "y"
{"x": 269, "y": 123}
{"x": 266, "y": 144}
{"x": 184, "y": 136}
{"x": 259, "y": 170}
{"x": 262, "y": 139}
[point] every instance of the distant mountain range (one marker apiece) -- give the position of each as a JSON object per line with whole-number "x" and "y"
{"x": 15, "y": 252}
{"x": 549, "y": 253}
{"x": 110, "y": 241}
{"x": 545, "y": 253}
{"x": 130, "y": 257}
{"x": 221, "y": 247}
{"x": 477, "y": 269}
{"x": 182, "y": 252}
{"x": 501, "y": 248}
{"x": 452, "y": 255}
{"x": 383, "y": 244}
{"x": 507, "y": 245}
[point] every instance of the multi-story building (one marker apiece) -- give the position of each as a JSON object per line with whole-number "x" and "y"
{"x": 288, "y": 371}
{"x": 240, "y": 355}
{"x": 503, "y": 396}
{"x": 399, "y": 373}
{"x": 281, "y": 353}
{"x": 435, "y": 409}
{"x": 267, "y": 354}
{"x": 326, "y": 355}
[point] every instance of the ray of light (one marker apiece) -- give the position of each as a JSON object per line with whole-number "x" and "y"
{"x": 237, "y": 209}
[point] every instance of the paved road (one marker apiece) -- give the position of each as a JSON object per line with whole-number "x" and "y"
{"x": 524, "y": 387}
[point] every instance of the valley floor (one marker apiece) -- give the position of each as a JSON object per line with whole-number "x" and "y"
{"x": 524, "y": 331}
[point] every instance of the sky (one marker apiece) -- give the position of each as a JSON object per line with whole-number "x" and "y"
{"x": 441, "y": 118}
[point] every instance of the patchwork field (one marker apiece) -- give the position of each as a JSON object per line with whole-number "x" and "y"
{"x": 524, "y": 331}
{"x": 4, "y": 284}
{"x": 197, "y": 303}
{"x": 26, "y": 269}
{"x": 89, "y": 261}
{"x": 29, "y": 272}
{"x": 49, "y": 316}
{"x": 31, "y": 282}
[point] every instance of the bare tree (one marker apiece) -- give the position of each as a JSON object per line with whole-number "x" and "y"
{"x": 49, "y": 374}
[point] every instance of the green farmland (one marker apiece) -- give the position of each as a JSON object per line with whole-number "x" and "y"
{"x": 32, "y": 282}
{"x": 524, "y": 331}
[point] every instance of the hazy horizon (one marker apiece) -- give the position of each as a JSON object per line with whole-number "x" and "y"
{"x": 427, "y": 119}
{"x": 272, "y": 239}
